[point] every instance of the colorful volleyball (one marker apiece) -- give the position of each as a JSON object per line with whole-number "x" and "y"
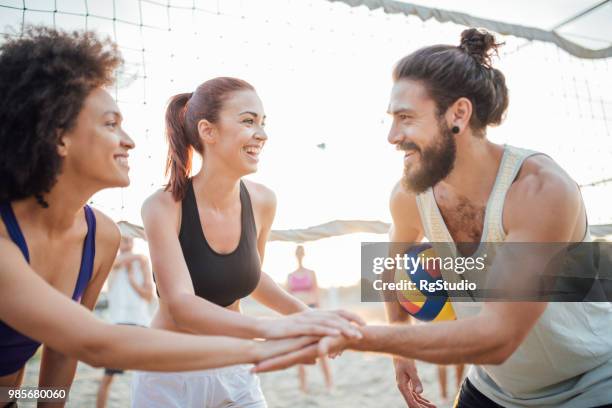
{"x": 423, "y": 305}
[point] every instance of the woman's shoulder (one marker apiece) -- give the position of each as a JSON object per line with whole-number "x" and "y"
{"x": 107, "y": 239}
{"x": 8, "y": 250}
{"x": 161, "y": 211}
{"x": 161, "y": 200}
{"x": 260, "y": 195}
{"x": 107, "y": 232}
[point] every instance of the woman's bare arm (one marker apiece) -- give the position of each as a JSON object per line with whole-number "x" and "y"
{"x": 69, "y": 328}
{"x": 195, "y": 314}
{"x": 269, "y": 293}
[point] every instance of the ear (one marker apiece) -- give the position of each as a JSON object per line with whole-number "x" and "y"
{"x": 207, "y": 132}
{"x": 63, "y": 142}
{"x": 459, "y": 114}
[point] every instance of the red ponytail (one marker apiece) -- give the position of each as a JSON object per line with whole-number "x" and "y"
{"x": 180, "y": 150}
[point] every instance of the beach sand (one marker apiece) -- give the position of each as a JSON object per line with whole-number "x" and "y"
{"x": 361, "y": 380}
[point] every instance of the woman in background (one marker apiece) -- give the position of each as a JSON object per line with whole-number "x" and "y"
{"x": 443, "y": 377}
{"x": 302, "y": 283}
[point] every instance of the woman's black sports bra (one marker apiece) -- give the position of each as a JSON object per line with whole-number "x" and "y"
{"x": 220, "y": 278}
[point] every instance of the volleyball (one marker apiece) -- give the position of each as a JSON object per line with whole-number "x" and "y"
{"x": 423, "y": 305}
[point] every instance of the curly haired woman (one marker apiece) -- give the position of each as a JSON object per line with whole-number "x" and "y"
{"x": 61, "y": 141}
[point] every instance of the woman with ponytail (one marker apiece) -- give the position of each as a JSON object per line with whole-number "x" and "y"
{"x": 61, "y": 141}
{"x": 207, "y": 237}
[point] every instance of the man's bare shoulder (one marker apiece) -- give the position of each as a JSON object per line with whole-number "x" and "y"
{"x": 542, "y": 189}
{"x": 542, "y": 175}
{"x": 261, "y": 196}
{"x": 401, "y": 198}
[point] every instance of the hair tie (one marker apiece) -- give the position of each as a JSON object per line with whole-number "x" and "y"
{"x": 184, "y": 110}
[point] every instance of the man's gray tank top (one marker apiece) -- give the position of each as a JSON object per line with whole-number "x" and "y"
{"x": 566, "y": 359}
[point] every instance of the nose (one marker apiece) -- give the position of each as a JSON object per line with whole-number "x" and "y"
{"x": 395, "y": 135}
{"x": 261, "y": 135}
{"x": 126, "y": 141}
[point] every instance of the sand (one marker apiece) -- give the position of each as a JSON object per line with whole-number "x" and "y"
{"x": 361, "y": 380}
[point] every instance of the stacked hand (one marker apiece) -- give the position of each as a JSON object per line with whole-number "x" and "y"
{"x": 305, "y": 350}
{"x": 313, "y": 323}
{"x": 321, "y": 333}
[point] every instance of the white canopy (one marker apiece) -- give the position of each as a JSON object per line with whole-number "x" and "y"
{"x": 335, "y": 228}
{"x": 583, "y": 28}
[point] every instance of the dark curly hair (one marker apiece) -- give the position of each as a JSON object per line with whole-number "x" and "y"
{"x": 450, "y": 72}
{"x": 45, "y": 76}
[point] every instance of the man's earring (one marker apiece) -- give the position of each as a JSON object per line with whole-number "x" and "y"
{"x": 455, "y": 129}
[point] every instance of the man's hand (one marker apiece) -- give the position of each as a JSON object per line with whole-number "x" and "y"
{"x": 409, "y": 383}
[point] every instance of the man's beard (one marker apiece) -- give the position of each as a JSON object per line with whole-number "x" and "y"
{"x": 435, "y": 161}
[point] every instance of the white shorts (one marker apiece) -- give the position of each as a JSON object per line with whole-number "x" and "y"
{"x": 233, "y": 386}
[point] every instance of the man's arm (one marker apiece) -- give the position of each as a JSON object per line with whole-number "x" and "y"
{"x": 484, "y": 339}
{"x": 406, "y": 228}
{"x": 544, "y": 208}
{"x": 144, "y": 289}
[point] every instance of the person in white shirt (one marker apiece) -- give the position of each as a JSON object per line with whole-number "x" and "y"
{"x": 130, "y": 291}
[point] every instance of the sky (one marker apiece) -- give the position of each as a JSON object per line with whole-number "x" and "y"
{"x": 323, "y": 72}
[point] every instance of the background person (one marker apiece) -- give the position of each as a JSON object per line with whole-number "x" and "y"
{"x": 302, "y": 283}
{"x": 130, "y": 291}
